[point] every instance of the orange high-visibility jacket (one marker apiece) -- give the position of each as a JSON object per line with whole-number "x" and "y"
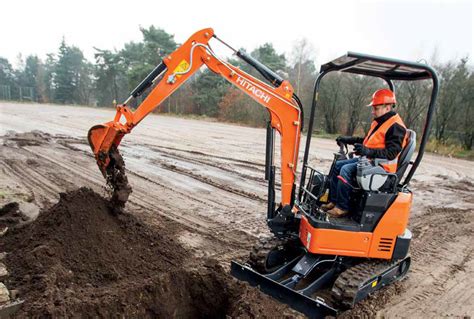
{"x": 377, "y": 140}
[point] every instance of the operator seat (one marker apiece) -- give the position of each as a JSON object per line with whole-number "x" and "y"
{"x": 406, "y": 154}
{"x": 371, "y": 203}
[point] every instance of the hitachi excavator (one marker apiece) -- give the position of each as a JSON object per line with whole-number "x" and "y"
{"x": 316, "y": 264}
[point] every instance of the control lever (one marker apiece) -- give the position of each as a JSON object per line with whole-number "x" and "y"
{"x": 342, "y": 179}
{"x": 342, "y": 153}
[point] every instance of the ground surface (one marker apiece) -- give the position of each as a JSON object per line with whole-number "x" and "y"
{"x": 205, "y": 181}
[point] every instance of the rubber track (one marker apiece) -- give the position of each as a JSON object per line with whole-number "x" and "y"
{"x": 260, "y": 251}
{"x": 347, "y": 285}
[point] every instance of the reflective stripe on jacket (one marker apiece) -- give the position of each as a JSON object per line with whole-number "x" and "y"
{"x": 377, "y": 140}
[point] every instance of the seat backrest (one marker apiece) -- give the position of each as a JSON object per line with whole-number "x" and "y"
{"x": 406, "y": 154}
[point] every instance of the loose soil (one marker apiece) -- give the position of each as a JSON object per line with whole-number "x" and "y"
{"x": 202, "y": 185}
{"x": 118, "y": 181}
{"x": 78, "y": 259}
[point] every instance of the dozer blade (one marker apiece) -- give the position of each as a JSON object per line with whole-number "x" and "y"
{"x": 313, "y": 308}
{"x": 101, "y": 140}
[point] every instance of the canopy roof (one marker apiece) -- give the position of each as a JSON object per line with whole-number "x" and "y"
{"x": 371, "y": 65}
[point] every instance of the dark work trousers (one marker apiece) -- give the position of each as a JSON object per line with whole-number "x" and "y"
{"x": 339, "y": 192}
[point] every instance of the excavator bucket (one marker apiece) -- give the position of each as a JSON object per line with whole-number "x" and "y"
{"x": 102, "y": 139}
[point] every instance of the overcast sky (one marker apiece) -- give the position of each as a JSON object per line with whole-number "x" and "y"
{"x": 401, "y": 29}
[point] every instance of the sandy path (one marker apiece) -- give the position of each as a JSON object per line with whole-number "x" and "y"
{"x": 209, "y": 177}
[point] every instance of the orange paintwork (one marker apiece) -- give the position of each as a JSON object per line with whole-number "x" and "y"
{"x": 378, "y": 244}
{"x": 284, "y": 112}
{"x": 334, "y": 242}
{"x": 393, "y": 224}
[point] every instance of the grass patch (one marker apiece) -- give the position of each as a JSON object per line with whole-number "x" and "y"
{"x": 449, "y": 149}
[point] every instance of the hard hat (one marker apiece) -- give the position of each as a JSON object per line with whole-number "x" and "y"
{"x": 383, "y": 96}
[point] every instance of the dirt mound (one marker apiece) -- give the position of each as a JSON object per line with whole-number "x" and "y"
{"x": 78, "y": 259}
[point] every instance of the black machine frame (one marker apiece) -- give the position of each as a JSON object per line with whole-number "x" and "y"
{"x": 388, "y": 70}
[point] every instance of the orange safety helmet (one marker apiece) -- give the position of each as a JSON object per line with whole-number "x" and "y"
{"x": 383, "y": 96}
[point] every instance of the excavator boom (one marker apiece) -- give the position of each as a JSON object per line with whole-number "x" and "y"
{"x": 178, "y": 67}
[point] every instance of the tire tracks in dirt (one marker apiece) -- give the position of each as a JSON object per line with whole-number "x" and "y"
{"x": 441, "y": 269}
{"x": 442, "y": 262}
{"x": 61, "y": 166}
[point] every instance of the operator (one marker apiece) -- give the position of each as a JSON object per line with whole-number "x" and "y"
{"x": 385, "y": 140}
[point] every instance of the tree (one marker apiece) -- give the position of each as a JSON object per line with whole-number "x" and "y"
{"x": 111, "y": 81}
{"x": 139, "y": 59}
{"x": 208, "y": 91}
{"x": 46, "y": 78}
{"x": 452, "y": 78}
{"x": 157, "y": 44}
{"x": 465, "y": 115}
{"x": 302, "y": 58}
{"x": 266, "y": 55}
{"x": 142, "y": 57}
{"x": 233, "y": 106}
{"x": 302, "y": 73}
{"x": 6, "y": 79}
{"x": 33, "y": 76}
{"x": 357, "y": 90}
{"x": 412, "y": 101}
{"x": 84, "y": 82}
{"x": 254, "y": 114}
{"x": 72, "y": 76}
{"x": 30, "y": 72}
{"x": 63, "y": 80}
{"x": 6, "y": 72}
{"x": 25, "y": 78}
{"x": 331, "y": 102}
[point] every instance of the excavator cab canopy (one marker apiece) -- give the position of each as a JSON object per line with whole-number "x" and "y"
{"x": 385, "y": 68}
{"x": 389, "y": 70}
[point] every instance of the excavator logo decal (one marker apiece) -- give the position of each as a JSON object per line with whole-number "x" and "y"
{"x": 255, "y": 91}
{"x": 182, "y": 67}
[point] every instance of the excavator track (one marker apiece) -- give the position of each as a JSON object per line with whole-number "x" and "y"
{"x": 271, "y": 252}
{"x": 357, "y": 282}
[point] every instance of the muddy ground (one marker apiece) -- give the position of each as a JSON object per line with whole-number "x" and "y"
{"x": 201, "y": 184}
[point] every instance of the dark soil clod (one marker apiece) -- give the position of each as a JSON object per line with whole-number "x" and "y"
{"x": 117, "y": 181}
{"x": 10, "y": 215}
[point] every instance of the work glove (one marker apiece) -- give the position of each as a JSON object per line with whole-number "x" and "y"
{"x": 361, "y": 150}
{"x": 349, "y": 140}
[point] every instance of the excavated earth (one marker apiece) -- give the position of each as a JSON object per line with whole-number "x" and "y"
{"x": 80, "y": 259}
{"x": 198, "y": 202}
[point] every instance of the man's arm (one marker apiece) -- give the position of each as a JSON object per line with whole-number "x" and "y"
{"x": 350, "y": 140}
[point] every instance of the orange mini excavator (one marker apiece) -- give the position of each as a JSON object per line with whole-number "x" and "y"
{"x": 316, "y": 264}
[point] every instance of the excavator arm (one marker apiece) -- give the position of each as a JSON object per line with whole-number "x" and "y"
{"x": 178, "y": 67}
